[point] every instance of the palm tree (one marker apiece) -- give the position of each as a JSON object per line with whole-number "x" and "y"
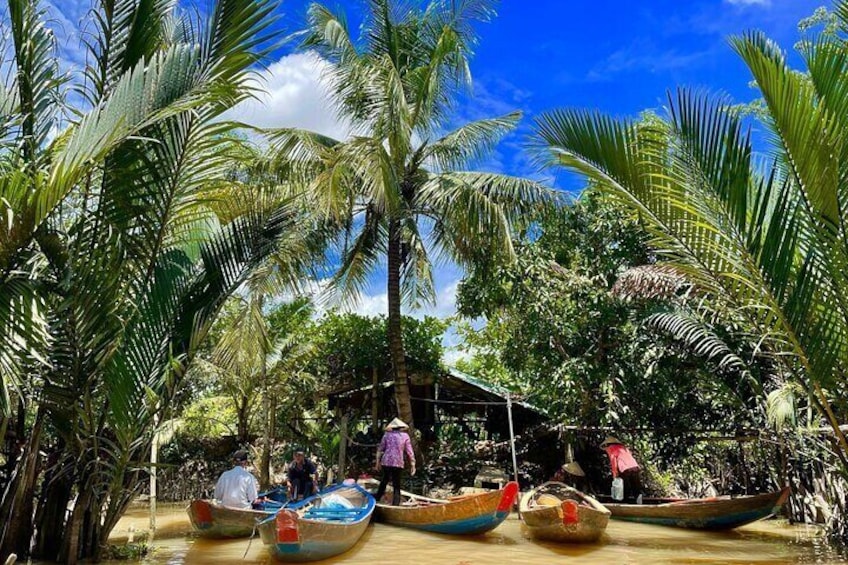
{"x": 397, "y": 187}
{"x": 113, "y": 260}
{"x": 253, "y": 360}
{"x": 763, "y": 241}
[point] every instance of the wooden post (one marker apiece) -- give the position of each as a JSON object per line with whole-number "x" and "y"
{"x": 375, "y": 400}
{"x": 511, "y": 437}
{"x": 342, "y": 448}
{"x": 265, "y": 459}
{"x": 154, "y": 460}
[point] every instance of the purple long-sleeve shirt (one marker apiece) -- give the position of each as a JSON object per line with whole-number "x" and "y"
{"x": 393, "y": 445}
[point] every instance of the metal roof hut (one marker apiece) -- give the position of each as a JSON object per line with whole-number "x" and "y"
{"x": 451, "y": 397}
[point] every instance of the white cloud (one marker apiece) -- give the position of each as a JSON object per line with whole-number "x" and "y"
{"x": 293, "y": 94}
{"x": 370, "y": 305}
{"x": 378, "y": 304}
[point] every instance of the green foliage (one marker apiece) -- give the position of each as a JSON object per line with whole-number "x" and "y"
{"x": 350, "y": 346}
{"x": 557, "y": 330}
{"x": 126, "y": 552}
{"x": 257, "y": 351}
{"x": 765, "y": 246}
{"x": 762, "y": 242}
{"x": 209, "y": 417}
{"x": 551, "y": 318}
{"x": 402, "y": 188}
{"x": 114, "y": 261}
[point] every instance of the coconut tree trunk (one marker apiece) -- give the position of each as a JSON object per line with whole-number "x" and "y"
{"x": 265, "y": 458}
{"x": 242, "y": 424}
{"x": 395, "y": 329}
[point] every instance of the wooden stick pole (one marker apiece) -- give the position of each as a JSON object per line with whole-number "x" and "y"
{"x": 511, "y": 437}
{"x": 154, "y": 461}
{"x": 342, "y": 448}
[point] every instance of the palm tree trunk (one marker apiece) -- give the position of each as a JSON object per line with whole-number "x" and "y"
{"x": 265, "y": 459}
{"x": 242, "y": 427}
{"x": 50, "y": 517}
{"x": 17, "y": 506}
{"x": 395, "y": 329}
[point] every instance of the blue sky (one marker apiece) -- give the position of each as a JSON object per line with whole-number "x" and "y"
{"x": 620, "y": 57}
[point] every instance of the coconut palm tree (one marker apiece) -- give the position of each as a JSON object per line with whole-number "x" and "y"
{"x": 115, "y": 255}
{"x": 398, "y": 186}
{"x": 763, "y": 241}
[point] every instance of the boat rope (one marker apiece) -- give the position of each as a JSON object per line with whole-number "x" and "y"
{"x": 250, "y": 541}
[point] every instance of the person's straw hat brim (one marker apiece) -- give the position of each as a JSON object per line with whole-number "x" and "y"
{"x": 574, "y": 468}
{"x": 610, "y": 440}
{"x": 397, "y": 424}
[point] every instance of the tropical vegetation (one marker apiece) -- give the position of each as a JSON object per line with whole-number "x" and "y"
{"x": 113, "y": 260}
{"x": 760, "y": 241}
{"x": 398, "y": 187}
{"x": 157, "y": 262}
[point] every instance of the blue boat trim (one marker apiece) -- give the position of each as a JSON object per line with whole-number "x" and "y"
{"x": 312, "y": 549}
{"x": 717, "y": 523}
{"x": 464, "y": 526}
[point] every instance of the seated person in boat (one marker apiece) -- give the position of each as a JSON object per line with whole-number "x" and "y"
{"x": 625, "y": 466}
{"x": 393, "y": 446}
{"x": 573, "y": 475}
{"x": 300, "y": 477}
{"x": 237, "y": 488}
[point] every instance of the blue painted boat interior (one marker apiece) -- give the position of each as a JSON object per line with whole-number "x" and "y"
{"x": 318, "y": 511}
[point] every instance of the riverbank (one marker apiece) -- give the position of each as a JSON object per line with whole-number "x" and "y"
{"x": 765, "y": 542}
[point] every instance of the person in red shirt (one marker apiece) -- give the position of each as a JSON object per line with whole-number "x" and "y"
{"x": 625, "y": 466}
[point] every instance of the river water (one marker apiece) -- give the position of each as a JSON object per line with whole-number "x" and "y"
{"x": 769, "y": 541}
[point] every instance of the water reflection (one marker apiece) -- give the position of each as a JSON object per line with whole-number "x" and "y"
{"x": 768, "y": 542}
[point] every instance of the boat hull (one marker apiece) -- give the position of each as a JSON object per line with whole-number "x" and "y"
{"x": 211, "y": 520}
{"x": 577, "y": 518}
{"x": 704, "y": 514}
{"x": 293, "y": 535}
{"x": 470, "y": 515}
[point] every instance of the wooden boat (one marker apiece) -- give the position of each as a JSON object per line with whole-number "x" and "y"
{"x": 461, "y": 515}
{"x": 722, "y": 513}
{"x": 213, "y": 520}
{"x": 556, "y": 512}
{"x": 320, "y": 526}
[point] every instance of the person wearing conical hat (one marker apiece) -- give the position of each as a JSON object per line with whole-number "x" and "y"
{"x": 394, "y": 445}
{"x": 573, "y": 475}
{"x": 624, "y": 465}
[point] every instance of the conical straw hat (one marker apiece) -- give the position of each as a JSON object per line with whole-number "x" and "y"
{"x": 611, "y": 440}
{"x": 397, "y": 424}
{"x": 574, "y": 468}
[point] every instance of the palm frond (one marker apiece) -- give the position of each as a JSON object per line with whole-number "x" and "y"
{"x": 697, "y": 337}
{"x": 470, "y": 142}
{"x": 37, "y": 79}
{"x": 660, "y": 281}
{"x": 782, "y": 405}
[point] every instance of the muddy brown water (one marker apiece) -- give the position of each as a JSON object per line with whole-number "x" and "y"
{"x": 765, "y": 542}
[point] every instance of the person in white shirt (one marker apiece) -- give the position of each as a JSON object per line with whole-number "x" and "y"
{"x": 237, "y": 488}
